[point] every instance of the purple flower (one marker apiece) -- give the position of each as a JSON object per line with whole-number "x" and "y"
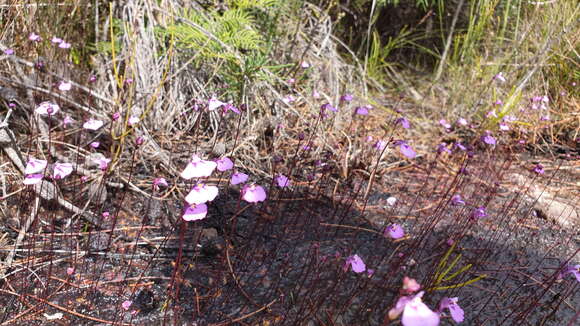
{"x": 443, "y": 148}
{"x": 93, "y": 124}
{"x": 539, "y": 169}
{"x": 282, "y": 181}
{"x": 479, "y": 213}
{"x": 415, "y": 312}
{"x": 61, "y": 170}
{"x": 253, "y": 193}
{"x": 224, "y": 164}
{"x": 570, "y": 269}
{"x": 454, "y": 309}
{"x": 214, "y": 103}
{"x": 32, "y": 179}
{"x": 197, "y": 168}
{"x": 361, "y": 110}
{"x": 488, "y": 138}
{"x": 8, "y": 52}
{"x": 47, "y": 108}
{"x": 64, "y": 45}
{"x": 395, "y": 231}
{"x": 238, "y": 178}
{"x": 457, "y": 201}
{"x": 194, "y": 213}
{"x": 356, "y": 263}
{"x": 503, "y": 126}
{"x": 201, "y": 194}
{"x": 35, "y": 166}
{"x": 460, "y": 146}
{"x": 346, "y": 98}
{"x": 327, "y": 106}
{"x": 230, "y": 107}
{"x": 159, "y": 182}
{"x": 404, "y": 122}
{"x": 34, "y": 37}
{"x": 407, "y": 150}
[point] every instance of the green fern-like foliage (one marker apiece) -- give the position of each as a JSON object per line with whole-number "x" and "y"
{"x": 218, "y": 37}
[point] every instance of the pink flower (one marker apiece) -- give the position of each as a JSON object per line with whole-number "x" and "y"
{"x": 380, "y": 145}
{"x": 391, "y": 201}
{"x": 47, "y": 108}
{"x": 67, "y": 120}
{"x": 126, "y": 304}
{"x": 503, "y": 126}
{"x": 479, "y": 212}
{"x": 56, "y": 40}
{"x": 283, "y": 181}
{"x": 133, "y": 120}
{"x": 457, "y": 201}
{"x": 499, "y": 77}
{"x": 34, "y": 37}
{"x": 410, "y": 285}
{"x": 394, "y": 231}
{"x": 539, "y": 169}
{"x": 570, "y": 269}
{"x": 201, "y": 194}
{"x": 195, "y": 213}
{"x": 160, "y": 182}
{"x": 106, "y": 215}
{"x": 238, "y": 178}
{"x": 197, "y": 168}
{"x": 214, "y": 103}
{"x": 116, "y": 116}
{"x": 33, "y": 179}
{"x": 64, "y": 45}
{"x": 304, "y": 64}
{"x": 356, "y": 263}
{"x": 9, "y": 52}
{"x": 288, "y": 99}
{"x": 35, "y": 166}
{"x": 462, "y": 122}
{"x": 445, "y": 124}
{"x": 70, "y": 270}
{"x": 95, "y": 144}
{"x": 62, "y": 170}
{"x": 253, "y": 193}
{"x": 93, "y": 124}
{"x": 291, "y": 81}
{"x": 415, "y": 312}
{"x": 454, "y": 309}
{"x": 315, "y": 94}
{"x": 103, "y": 162}
{"x": 64, "y": 86}
{"x": 404, "y": 122}
{"x": 224, "y": 164}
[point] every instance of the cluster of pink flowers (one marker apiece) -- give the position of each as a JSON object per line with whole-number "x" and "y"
{"x": 202, "y": 193}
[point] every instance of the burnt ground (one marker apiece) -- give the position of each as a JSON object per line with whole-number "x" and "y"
{"x": 283, "y": 262}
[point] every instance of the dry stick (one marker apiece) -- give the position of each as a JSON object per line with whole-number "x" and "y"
{"x": 63, "y": 309}
{"x": 448, "y": 42}
{"x": 20, "y": 237}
